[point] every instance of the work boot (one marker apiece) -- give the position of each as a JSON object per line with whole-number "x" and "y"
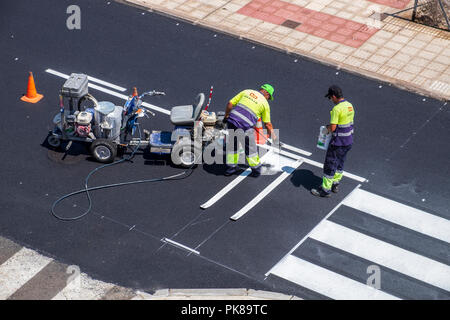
{"x": 230, "y": 171}
{"x": 255, "y": 173}
{"x": 319, "y": 192}
{"x": 335, "y": 188}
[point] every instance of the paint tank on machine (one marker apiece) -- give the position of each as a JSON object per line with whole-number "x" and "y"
{"x": 108, "y": 118}
{"x": 115, "y": 121}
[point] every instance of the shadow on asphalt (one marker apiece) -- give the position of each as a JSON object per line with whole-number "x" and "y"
{"x": 306, "y": 179}
{"x": 216, "y": 169}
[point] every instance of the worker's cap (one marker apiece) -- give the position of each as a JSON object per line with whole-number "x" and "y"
{"x": 269, "y": 89}
{"x": 334, "y": 91}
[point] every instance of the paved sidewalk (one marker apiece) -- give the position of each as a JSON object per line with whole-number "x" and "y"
{"x": 352, "y": 35}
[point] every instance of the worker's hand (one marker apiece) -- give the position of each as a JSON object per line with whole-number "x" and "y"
{"x": 275, "y": 140}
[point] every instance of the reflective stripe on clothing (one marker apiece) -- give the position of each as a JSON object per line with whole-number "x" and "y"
{"x": 337, "y": 177}
{"x": 240, "y": 105}
{"x": 334, "y": 160}
{"x": 342, "y": 115}
{"x": 329, "y": 181}
{"x": 243, "y": 117}
{"x": 253, "y": 160}
{"x": 232, "y": 158}
{"x": 255, "y": 101}
{"x": 327, "y": 184}
{"x": 348, "y": 125}
{"x": 343, "y": 134}
{"x": 250, "y": 147}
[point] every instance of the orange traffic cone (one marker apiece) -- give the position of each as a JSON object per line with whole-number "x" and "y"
{"x": 135, "y": 93}
{"x": 32, "y": 96}
{"x": 260, "y": 137}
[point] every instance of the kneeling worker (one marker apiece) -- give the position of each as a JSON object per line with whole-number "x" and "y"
{"x": 341, "y": 125}
{"x": 243, "y": 112}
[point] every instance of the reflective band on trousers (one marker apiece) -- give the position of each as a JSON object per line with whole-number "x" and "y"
{"x": 253, "y": 161}
{"x": 232, "y": 158}
{"x": 244, "y": 117}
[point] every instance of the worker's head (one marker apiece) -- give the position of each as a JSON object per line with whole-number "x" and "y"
{"x": 267, "y": 90}
{"x": 334, "y": 94}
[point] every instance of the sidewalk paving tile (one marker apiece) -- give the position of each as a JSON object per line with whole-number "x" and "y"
{"x": 341, "y": 32}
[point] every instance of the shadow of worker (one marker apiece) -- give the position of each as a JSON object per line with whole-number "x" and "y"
{"x": 306, "y": 179}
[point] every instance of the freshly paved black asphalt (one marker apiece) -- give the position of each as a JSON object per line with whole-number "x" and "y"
{"x": 401, "y": 146}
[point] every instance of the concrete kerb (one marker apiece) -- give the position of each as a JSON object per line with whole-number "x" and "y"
{"x": 405, "y": 85}
{"x": 213, "y": 294}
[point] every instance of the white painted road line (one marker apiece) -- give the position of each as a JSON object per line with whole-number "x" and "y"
{"x": 107, "y": 84}
{"x": 18, "y": 269}
{"x": 326, "y": 282}
{"x": 82, "y": 287}
{"x": 110, "y": 92}
{"x": 104, "y": 83}
{"x": 226, "y": 189}
{"x": 298, "y": 150}
{"x": 176, "y": 244}
{"x": 313, "y": 163}
{"x": 383, "y": 253}
{"x": 286, "y": 146}
{"x": 286, "y": 173}
{"x": 229, "y": 186}
{"x": 400, "y": 214}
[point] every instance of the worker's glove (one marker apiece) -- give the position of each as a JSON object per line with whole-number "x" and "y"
{"x": 225, "y": 120}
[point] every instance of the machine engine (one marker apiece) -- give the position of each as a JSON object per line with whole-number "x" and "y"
{"x": 83, "y": 124}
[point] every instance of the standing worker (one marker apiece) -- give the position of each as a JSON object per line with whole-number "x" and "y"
{"x": 243, "y": 112}
{"x": 341, "y": 126}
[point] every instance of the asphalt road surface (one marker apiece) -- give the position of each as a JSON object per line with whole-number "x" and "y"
{"x": 288, "y": 238}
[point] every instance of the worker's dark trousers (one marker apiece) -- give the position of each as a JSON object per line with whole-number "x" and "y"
{"x": 334, "y": 166}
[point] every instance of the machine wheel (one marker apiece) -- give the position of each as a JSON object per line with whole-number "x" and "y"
{"x": 54, "y": 141}
{"x": 103, "y": 150}
{"x": 186, "y": 153}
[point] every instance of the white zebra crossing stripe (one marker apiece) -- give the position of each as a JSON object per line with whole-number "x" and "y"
{"x": 400, "y": 214}
{"x": 383, "y": 253}
{"x": 18, "y": 269}
{"x": 326, "y": 282}
{"x": 82, "y": 287}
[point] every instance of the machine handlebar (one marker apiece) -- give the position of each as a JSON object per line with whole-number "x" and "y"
{"x": 152, "y": 93}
